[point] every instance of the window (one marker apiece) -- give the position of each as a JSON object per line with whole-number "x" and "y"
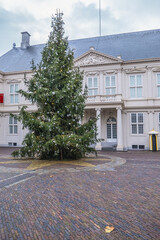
{"x": 13, "y": 125}
{"x": 141, "y": 147}
{"x": 111, "y": 129}
{"x": 10, "y": 144}
{"x": 110, "y": 85}
{"x": 92, "y": 86}
{"x": 13, "y": 93}
{"x": 158, "y": 84}
{"x": 159, "y": 121}
{"x": 137, "y": 123}
{"x": 136, "y": 86}
{"x": 134, "y": 147}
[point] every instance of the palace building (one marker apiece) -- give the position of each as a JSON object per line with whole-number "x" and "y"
{"x": 122, "y": 73}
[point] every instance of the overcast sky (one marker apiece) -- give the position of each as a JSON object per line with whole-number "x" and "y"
{"x": 80, "y": 16}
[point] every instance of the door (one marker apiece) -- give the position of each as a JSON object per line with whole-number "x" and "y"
{"x": 154, "y": 142}
{"x": 111, "y": 130}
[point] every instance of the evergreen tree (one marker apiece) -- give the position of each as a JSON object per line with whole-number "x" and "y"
{"x": 55, "y": 131}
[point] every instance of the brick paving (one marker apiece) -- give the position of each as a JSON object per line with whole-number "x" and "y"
{"x": 80, "y": 204}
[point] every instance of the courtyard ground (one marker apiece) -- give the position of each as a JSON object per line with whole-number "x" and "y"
{"x": 79, "y": 199}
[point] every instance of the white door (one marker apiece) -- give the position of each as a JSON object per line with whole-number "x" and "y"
{"x": 111, "y": 130}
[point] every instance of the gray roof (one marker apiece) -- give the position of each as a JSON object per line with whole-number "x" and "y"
{"x": 130, "y": 46}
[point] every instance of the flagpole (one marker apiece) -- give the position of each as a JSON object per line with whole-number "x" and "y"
{"x": 99, "y": 17}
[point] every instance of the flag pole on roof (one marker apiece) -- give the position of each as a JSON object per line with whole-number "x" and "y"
{"x": 99, "y": 17}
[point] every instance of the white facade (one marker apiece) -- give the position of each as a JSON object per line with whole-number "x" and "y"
{"x": 124, "y": 94}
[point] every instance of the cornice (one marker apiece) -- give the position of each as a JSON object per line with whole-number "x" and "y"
{"x": 2, "y": 73}
{"x": 141, "y": 60}
{"x": 141, "y": 99}
{"x": 110, "y": 72}
{"x": 99, "y": 64}
{"x": 141, "y": 108}
{"x": 156, "y": 69}
{"x": 91, "y": 73}
{"x": 135, "y": 70}
{"x": 13, "y": 81}
{"x": 104, "y": 103}
{"x": 17, "y": 72}
{"x": 114, "y": 61}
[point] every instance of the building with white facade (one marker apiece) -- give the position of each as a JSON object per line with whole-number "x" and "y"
{"x": 122, "y": 73}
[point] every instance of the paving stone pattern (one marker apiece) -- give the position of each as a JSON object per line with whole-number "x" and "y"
{"x": 15, "y": 179}
{"x": 78, "y": 205}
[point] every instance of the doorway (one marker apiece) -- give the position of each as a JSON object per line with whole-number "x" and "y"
{"x": 111, "y": 130}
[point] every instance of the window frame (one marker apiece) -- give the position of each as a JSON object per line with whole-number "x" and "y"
{"x": 137, "y": 124}
{"x": 110, "y": 86}
{"x": 136, "y": 86}
{"x": 14, "y": 95}
{"x": 92, "y": 88}
{"x": 113, "y": 132}
{"x": 12, "y": 124}
{"x": 158, "y": 85}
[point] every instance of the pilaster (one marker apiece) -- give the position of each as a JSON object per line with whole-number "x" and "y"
{"x": 98, "y": 124}
{"x": 119, "y": 129}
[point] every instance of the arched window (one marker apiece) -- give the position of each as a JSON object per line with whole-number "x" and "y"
{"x": 111, "y": 120}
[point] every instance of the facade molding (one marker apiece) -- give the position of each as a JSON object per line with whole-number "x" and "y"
{"x": 9, "y": 81}
{"x": 135, "y": 70}
{"x": 110, "y": 72}
{"x": 93, "y": 57}
{"x": 156, "y": 69}
{"x": 90, "y": 73}
{"x": 141, "y": 60}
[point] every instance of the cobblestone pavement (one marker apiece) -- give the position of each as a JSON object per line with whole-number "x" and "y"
{"x": 80, "y": 202}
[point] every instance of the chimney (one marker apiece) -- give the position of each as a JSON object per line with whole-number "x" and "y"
{"x": 25, "y": 40}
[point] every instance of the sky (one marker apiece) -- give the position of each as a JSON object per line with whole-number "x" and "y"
{"x": 81, "y": 18}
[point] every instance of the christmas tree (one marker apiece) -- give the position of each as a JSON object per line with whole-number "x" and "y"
{"x": 55, "y": 131}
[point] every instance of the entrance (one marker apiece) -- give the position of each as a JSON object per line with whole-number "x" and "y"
{"x": 111, "y": 130}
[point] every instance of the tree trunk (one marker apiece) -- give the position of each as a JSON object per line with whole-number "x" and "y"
{"x": 61, "y": 155}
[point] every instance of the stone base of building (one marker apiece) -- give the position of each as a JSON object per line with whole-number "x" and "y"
{"x": 98, "y": 146}
{"x": 119, "y": 148}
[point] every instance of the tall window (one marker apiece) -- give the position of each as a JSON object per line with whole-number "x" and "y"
{"x": 110, "y": 85}
{"x": 137, "y": 123}
{"x": 158, "y": 84}
{"x": 13, "y": 125}
{"x": 13, "y": 93}
{"x": 92, "y": 86}
{"x": 136, "y": 86}
{"x": 111, "y": 129}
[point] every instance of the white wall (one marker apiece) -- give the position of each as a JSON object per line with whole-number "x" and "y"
{"x": 149, "y": 104}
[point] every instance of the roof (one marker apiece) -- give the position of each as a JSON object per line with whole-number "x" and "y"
{"x": 130, "y": 46}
